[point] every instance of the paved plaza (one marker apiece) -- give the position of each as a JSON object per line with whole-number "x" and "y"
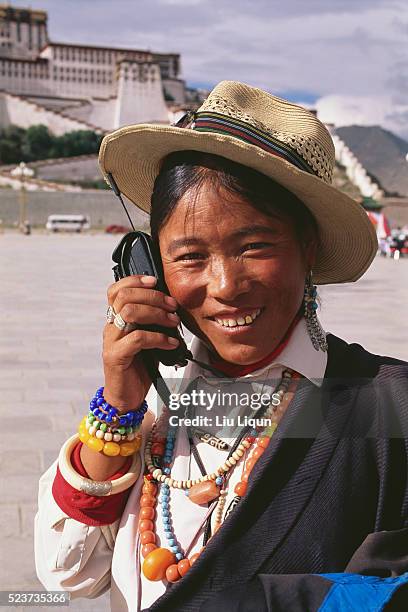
{"x": 53, "y": 303}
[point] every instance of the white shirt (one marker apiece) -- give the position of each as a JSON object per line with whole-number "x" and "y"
{"x": 87, "y": 560}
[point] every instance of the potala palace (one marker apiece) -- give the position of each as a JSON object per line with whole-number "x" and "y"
{"x": 70, "y": 87}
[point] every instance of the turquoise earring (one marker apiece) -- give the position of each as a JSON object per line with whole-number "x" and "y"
{"x": 310, "y": 306}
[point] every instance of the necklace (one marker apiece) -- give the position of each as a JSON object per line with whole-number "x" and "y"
{"x": 172, "y": 563}
{"x": 205, "y": 488}
{"x": 210, "y": 439}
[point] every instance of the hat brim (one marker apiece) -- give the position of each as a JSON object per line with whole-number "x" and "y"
{"x": 348, "y": 242}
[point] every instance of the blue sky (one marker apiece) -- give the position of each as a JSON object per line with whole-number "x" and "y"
{"x": 348, "y": 58}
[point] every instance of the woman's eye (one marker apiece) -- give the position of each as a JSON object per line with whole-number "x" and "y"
{"x": 189, "y": 256}
{"x": 255, "y": 245}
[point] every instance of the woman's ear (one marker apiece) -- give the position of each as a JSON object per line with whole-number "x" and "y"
{"x": 313, "y": 246}
{"x": 310, "y": 253}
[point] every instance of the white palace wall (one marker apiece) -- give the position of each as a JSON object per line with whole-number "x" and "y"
{"x": 25, "y": 76}
{"x": 20, "y": 111}
{"x": 99, "y": 111}
{"x": 140, "y": 97}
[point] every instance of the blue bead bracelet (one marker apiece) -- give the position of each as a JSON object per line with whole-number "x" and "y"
{"x": 106, "y": 413}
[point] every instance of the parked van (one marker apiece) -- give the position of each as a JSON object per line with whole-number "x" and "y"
{"x": 68, "y": 223}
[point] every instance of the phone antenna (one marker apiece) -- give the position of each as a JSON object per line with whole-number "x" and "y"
{"x": 116, "y": 191}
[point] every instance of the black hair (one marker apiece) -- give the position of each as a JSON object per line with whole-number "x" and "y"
{"x": 184, "y": 170}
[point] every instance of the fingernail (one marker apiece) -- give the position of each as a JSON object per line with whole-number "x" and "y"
{"x": 170, "y": 301}
{"x": 172, "y": 316}
{"x": 148, "y": 280}
{"x": 173, "y": 340}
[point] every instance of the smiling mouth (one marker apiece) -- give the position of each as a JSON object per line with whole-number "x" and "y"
{"x": 243, "y": 321}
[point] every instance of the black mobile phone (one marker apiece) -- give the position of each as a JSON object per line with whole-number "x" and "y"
{"x": 137, "y": 254}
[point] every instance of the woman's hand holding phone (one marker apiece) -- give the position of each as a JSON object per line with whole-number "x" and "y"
{"x": 137, "y": 301}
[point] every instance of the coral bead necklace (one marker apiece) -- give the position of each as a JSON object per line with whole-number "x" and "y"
{"x": 172, "y": 563}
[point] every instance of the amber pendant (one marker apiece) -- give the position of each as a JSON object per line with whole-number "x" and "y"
{"x": 203, "y": 492}
{"x": 156, "y": 563}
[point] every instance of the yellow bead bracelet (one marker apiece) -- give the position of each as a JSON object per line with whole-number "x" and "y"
{"x": 111, "y": 449}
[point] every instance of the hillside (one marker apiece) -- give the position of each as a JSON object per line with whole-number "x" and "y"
{"x": 381, "y": 153}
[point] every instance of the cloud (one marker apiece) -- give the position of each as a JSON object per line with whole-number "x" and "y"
{"x": 186, "y": 3}
{"x": 401, "y": 26}
{"x": 364, "y": 110}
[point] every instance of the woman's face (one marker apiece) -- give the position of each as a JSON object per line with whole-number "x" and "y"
{"x": 237, "y": 274}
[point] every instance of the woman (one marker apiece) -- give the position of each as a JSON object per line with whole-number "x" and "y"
{"x": 270, "y": 513}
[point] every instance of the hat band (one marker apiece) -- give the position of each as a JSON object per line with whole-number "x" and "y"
{"x": 220, "y": 124}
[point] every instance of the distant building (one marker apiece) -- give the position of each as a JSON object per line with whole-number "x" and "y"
{"x": 70, "y": 86}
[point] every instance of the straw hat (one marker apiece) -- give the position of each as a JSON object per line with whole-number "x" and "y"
{"x": 282, "y": 140}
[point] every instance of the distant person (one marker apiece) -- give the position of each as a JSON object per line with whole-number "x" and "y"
{"x": 306, "y": 511}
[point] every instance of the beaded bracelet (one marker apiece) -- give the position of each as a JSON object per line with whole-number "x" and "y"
{"x": 92, "y": 487}
{"x": 106, "y": 413}
{"x": 99, "y": 429}
{"x": 109, "y": 448}
{"x": 106, "y": 430}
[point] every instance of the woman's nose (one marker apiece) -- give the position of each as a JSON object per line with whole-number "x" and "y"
{"x": 228, "y": 279}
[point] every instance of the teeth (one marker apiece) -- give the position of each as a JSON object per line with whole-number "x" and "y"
{"x": 247, "y": 320}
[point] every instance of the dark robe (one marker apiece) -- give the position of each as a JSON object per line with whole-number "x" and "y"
{"x": 329, "y": 495}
